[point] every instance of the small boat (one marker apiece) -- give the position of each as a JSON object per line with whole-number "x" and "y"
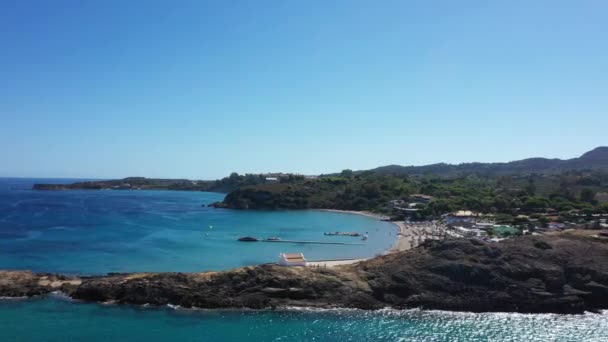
{"x": 364, "y": 237}
{"x": 248, "y": 239}
{"x": 273, "y": 238}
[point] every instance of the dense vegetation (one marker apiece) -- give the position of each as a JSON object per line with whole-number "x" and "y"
{"x": 505, "y": 189}
{"x": 506, "y": 195}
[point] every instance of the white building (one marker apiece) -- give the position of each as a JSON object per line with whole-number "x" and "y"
{"x": 292, "y": 259}
{"x": 469, "y": 232}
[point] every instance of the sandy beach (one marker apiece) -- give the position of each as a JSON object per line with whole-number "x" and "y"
{"x": 364, "y": 213}
{"x": 403, "y": 242}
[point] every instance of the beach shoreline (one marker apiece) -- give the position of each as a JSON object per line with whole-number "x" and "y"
{"x": 402, "y": 243}
{"x": 364, "y": 213}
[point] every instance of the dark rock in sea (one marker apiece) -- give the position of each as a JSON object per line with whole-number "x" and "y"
{"x": 218, "y": 205}
{"x": 562, "y": 274}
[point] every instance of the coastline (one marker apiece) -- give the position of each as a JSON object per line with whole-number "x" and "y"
{"x": 364, "y": 213}
{"x": 403, "y": 242}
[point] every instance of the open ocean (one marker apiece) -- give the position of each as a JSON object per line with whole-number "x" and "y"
{"x": 95, "y": 232}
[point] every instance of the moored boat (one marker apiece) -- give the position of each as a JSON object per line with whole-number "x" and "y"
{"x": 248, "y": 239}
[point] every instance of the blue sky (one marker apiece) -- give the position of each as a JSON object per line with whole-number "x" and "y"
{"x": 198, "y": 89}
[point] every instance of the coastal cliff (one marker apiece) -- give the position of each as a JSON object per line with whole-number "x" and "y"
{"x": 562, "y": 274}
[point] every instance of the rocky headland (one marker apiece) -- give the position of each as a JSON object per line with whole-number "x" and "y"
{"x": 561, "y": 274}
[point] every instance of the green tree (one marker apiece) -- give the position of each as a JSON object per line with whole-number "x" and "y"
{"x": 504, "y": 182}
{"x": 346, "y": 173}
{"x": 531, "y": 187}
{"x": 535, "y": 203}
{"x": 588, "y": 195}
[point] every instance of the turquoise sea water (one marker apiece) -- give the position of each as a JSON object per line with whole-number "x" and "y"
{"x": 95, "y": 232}
{"x": 62, "y": 320}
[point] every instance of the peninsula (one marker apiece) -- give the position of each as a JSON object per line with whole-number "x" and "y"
{"x": 565, "y": 273}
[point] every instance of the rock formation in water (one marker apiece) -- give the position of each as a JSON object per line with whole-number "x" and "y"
{"x": 563, "y": 274}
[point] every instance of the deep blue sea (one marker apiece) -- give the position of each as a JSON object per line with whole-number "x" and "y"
{"x": 94, "y": 232}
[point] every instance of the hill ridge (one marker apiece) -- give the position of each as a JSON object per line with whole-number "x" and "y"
{"x": 595, "y": 159}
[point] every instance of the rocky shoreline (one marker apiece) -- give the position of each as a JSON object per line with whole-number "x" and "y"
{"x": 559, "y": 274}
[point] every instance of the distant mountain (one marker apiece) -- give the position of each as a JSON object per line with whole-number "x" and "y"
{"x": 596, "y": 159}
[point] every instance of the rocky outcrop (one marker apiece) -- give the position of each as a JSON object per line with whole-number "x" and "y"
{"x": 564, "y": 274}
{"x": 252, "y": 287}
{"x": 528, "y": 274}
{"x": 28, "y": 284}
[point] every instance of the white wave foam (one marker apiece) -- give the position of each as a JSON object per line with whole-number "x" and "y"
{"x": 61, "y": 296}
{"x": 14, "y": 298}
